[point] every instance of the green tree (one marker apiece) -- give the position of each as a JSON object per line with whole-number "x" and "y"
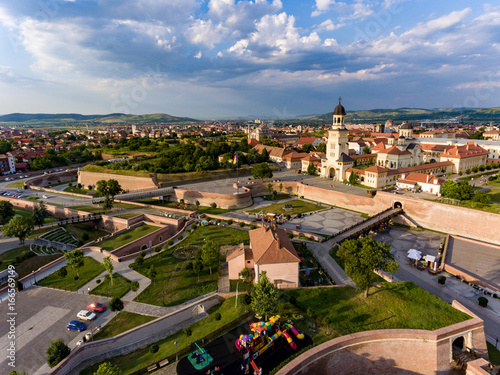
{"x": 116, "y": 305}
{"x": 107, "y": 368}
{"x": 6, "y": 212}
{"x": 270, "y": 188}
{"x": 264, "y": 297}
{"x": 321, "y": 148}
{"x": 108, "y": 266}
{"x": 197, "y": 267}
{"x": 5, "y": 147}
{"x": 281, "y": 187}
{"x": 307, "y": 147}
{"x": 19, "y": 227}
{"x": 261, "y": 171}
{"x": 63, "y": 272}
{"x": 152, "y": 274}
{"x": 311, "y": 169}
{"x": 364, "y": 255}
{"x": 481, "y": 197}
{"x": 56, "y": 352}
{"x": 210, "y": 255}
{"x": 449, "y": 189}
{"x": 108, "y": 189}
{"x": 37, "y": 217}
{"x": 246, "y": 274}
{"x": 134, "y": 287}
{"x": 366, "y": 150}
{"x": 353, "y": 178}
{"x": 74, "y": 259}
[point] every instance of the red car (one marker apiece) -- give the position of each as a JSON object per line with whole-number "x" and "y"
{"x": 96, "y": 306}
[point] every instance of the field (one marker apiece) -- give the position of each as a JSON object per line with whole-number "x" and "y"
{"x": 299, "y": 207}
{"x": 115, "y": 242}
{"x": 174, "y": 283}
{"x": 91, "y": 269}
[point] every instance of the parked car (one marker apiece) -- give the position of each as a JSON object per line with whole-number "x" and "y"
{"x": 76, "y": 325}
{"x": 86, "y": 315}
{"x": 96, "y": 306}
{"x": 45, "y": 196}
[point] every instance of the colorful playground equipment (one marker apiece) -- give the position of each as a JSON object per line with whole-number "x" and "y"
{"x": 265, "y": 336}
{"x": 199, "y": 357}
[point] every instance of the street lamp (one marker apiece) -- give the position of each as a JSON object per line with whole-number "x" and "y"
{"x": 34, "y": 276}
{"x": 176, "y": 356}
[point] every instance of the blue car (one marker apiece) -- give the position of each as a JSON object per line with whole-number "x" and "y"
{"x": 76, "y": 325}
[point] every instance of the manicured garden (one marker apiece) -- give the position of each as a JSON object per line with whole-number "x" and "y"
{"x": 90, "y": 270}
{"x": 120, "y": 287}
{"x": 121, "y": 323}
{"x": 114, "y": 242}
{"x": 297, "y": 207}
{"x": 175, "y": 283}
{"x": 142, "y": 358}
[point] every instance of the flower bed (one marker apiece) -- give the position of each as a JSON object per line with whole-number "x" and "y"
{"x": 186, "y": 252}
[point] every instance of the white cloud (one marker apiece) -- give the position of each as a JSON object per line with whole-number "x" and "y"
{"x": 198, "y": 55}
{"x": 328, "y": 25}
{"x": 205, "y": 32}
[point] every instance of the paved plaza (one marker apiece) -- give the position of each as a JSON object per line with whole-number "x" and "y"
{"x": 42, "y": 315}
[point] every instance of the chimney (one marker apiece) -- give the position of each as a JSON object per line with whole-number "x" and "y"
{"x": 427, "y": 179}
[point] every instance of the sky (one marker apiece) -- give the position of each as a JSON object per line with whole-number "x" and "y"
{"x": 215, "y": 59}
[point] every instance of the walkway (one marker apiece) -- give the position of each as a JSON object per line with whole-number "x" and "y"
{"x": 9, "y": 243}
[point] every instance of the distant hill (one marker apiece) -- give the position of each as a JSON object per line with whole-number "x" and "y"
{"x": 400, "y": 114}
{"x": 75, "y": 117}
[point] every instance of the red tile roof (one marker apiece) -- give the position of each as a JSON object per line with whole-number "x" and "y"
{"x": 272, "y": 245}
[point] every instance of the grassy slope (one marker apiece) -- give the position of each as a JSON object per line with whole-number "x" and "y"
{"x": 121, "y": 323}
{"x": 115, "y": 242}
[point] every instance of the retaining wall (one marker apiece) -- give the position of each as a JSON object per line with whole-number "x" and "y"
{"x": 94, "y": 352}
{"x": 391, "y": 351}
{"x": 130, "y": 183}
{"x": 226, "y": 201}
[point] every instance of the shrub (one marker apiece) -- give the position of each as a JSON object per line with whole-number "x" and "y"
{"x": 217, "y": 316}
{"x": 188, "y": 231}
{"x": 139, "y": 260}
{"x": 309, "y": 312}
{"x": 441, "y": 279}
{"x": 157, "y": 249}
{"x": 326, "y": 321}
{"x": 189, "y": 266}
{"x": 483, "y": 301}
{"x": 290, "y": 235}
{"x": 468, "y": 171}
{"x": 194, "y": 226}
{"x": 482, "y": 167}
{"x": 491, "y": 178}
{"x": 85, "y": 236}
{"x": 299, "y": 215}
{"x": 154, "y": 348}
{"x": 170, "y": 242}
{"x": 213, "y": 205}
{"x": 142, "y": 253}
{"x": 188, "y": 332}
{"x": 241, "y": 224}
{"x": 253, "y": 226}
{"x": 62, "y": 272}
{"x": 292, "y": 300}
{"x": 180, "y": 237}
{"x": 288, "y": 217}
{"x": 488, "y": 167}
{"x": 229, "y": 222}
{"x": 247, "y": 299}
{"x": 460, "y": 173}
{"x": 475, "y": 169}
{"x": 98, "y": 281}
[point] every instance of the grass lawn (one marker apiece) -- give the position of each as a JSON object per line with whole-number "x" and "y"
{"x": 299, "y": 206}
{"x": 394, "y": 305}
{"x": 242, "y": 286}
{"x": 494, "y": 183}
{"x": 489, "y": 207}
{"x": 141, "y": 358}
{"x": 128, "y": 216}
{"x": 91, "y": 269}
{"x": 120, "y": 287}
{"x": 98, "y": 208}
{"x": 26, "y": 266}
{"x": 28, "y": 213}
{"x": 279, "y": 196}
{"x": 74, "y": 189}
{"x": 177, "y": 284}
{"x": 121, "y": 323}
{"x": 494, "y": 195}
{"x": 17, "y": 184}
{"x": 192, "y": 207}
{"x": 40, "y": 231}
{"x": 77, "y": 231}
{"x": 115, "y": 242}
{"x": 494, "y": 354}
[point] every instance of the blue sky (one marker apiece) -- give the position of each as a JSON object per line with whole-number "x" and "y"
{"x": 223, "y": 58}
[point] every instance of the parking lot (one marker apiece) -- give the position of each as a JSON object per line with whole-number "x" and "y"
{"x": 42, "y": 315}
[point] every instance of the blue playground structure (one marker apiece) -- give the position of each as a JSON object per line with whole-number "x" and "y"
{"x": 199, "y": 357}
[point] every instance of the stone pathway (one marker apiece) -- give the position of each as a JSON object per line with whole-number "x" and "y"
{"x": 224, "y": 286}
{"x": 320, "y": 251}
{"x": 9, "y": 243}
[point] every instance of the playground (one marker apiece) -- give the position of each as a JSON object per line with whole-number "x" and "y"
{"x": 264, "y": 345}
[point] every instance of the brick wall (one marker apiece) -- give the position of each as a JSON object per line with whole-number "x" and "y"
{"x": 226, "y": 201}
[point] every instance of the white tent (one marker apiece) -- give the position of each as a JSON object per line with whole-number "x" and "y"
{"x": 430, "y": 258}
{"x": 414, "y": 254}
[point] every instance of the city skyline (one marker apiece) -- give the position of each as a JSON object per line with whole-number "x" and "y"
{"x": 221, "y": 58}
